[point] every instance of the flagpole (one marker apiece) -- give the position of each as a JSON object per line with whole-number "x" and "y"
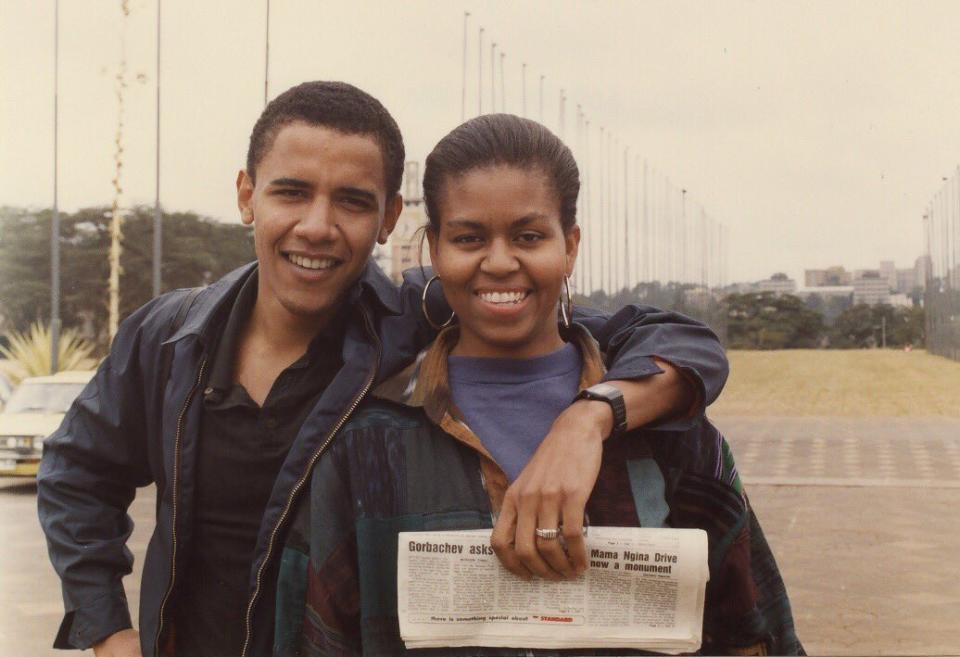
{"x": 55, "y": 222}
{"x": 463, "y": 93}
{"x": 157, "y": 214}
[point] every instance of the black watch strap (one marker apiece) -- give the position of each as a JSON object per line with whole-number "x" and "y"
{"x": 612, "y": 395}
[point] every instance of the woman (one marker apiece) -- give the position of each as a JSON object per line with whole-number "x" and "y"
{"x": 440, "y": 446}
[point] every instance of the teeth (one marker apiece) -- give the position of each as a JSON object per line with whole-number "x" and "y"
{"x": 503, "y": 297}
{"x": 312, "y": 263}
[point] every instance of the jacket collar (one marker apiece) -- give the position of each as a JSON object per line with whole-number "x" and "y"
{"x": 424, "y": 383}
{"x": 373, "y": 286}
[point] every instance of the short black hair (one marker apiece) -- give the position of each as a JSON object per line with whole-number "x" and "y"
{"x": 502, "y": 139}
{"x": 336, "y": 105}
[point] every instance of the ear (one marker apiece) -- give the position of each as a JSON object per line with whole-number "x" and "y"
{"x": 245, "y": 196}
{"x": 390, "y": 216}
{"x": 572, "y": 243}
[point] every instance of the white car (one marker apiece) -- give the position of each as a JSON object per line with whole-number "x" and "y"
{"x": 33, "y": 412}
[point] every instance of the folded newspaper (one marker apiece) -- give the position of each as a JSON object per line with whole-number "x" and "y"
{"x": 644, "y": 589}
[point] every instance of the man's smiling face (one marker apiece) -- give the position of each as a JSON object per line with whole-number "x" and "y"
{"x": 318, "y": 206}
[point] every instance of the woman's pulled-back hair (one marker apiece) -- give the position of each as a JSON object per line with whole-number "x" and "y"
{"x": 496, "y": 140}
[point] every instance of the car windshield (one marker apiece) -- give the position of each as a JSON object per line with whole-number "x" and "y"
{"x": 43, "y": 397}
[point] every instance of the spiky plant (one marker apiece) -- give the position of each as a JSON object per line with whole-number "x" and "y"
{"x": 28, "y": 353}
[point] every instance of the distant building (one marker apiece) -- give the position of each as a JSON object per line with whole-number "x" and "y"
{"x": 900, "y": 299}
{"x": 870, "y": 288}
{"x": 907, "y": 281}
{"x": 826, "y": 292}
{"x": 778, "y": 284}
{"x": 405, "y": 242}
{"x": 831, "y": 276}
{"x": 888, "y": 272}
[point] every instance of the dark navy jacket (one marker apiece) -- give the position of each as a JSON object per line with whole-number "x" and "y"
{"x": 129, "y": 429}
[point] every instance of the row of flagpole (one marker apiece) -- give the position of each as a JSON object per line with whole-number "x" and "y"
{"x": 637, "y": 225}
{"x": 942, "y": 235}
{"x": 941, "y": 227}
{"x": 600, "y": 212}
{"x": 157, "y": 277}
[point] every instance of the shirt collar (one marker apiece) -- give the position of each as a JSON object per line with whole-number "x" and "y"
{"x": 221, "y": 374}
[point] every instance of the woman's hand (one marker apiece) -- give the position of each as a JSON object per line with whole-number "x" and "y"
{"x": 551, "y": 492}
{"x": 553, "y": 489}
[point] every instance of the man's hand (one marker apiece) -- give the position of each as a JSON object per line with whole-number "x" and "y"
{"x": 551, "y": 492}
{"x": 125, "y": 643}
{"x": 553, "y": 489}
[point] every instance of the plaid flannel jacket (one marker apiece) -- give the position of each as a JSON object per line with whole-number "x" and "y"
{"x": 407, "y": 462}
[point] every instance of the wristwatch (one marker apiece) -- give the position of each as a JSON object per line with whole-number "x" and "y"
{"x": 612, "y": 395}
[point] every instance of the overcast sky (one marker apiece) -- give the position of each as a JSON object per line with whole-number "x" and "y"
{"x": 816, "y": 132}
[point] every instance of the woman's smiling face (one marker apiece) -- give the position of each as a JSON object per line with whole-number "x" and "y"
{"x": 502, "y": 254}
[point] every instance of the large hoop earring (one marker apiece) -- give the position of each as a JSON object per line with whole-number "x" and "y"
{"x": 566, "y": 309}
{"x": 426, "y": 314}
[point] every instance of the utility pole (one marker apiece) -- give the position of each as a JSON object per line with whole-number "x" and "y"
{"x": 55, "y": 220}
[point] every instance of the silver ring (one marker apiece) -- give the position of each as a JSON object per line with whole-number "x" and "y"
{"x": 549, "y": 534}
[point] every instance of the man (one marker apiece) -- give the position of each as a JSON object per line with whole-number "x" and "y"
{"x": 227, "y": 412}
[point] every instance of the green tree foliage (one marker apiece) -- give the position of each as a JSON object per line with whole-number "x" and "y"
{"x": 864, "y": 326}
{"x": 763, "y": 320}
{"x": 196, "y": 251}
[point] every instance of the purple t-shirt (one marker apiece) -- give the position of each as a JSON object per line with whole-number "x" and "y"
{"x": 511, "y": 403}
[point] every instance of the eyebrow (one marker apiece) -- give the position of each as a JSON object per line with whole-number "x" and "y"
{"x": 363, "y": 193}
{"x": 290, "y": 182}
{"x": 477, "y": 225}
{"x": 303, "y": 184}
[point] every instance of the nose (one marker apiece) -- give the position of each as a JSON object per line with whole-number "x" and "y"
{"x": 318, "y": 224}
{"x": 500, "y": 259}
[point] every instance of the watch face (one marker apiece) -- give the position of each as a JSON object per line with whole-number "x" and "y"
{"x": 604, "y": 389}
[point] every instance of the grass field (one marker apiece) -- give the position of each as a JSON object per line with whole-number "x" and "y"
{"x": 853, "y": 383}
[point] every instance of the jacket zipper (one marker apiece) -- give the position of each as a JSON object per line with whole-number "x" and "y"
{"x": 176, "y": 496}
{"x": 296, "y": 489}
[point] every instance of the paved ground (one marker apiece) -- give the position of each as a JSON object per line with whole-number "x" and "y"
{"x": 889, "y": 452}
{"x": 862, "y": 514}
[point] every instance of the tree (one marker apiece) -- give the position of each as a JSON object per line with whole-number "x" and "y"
{"x": 862, "y": 326}
{"x": 764, "y": 320}
{"x": 196, "y": 251}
